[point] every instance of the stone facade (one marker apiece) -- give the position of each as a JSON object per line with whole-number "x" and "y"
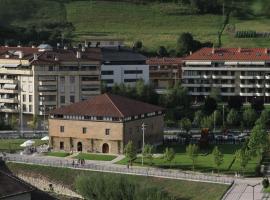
{"x": 95, "y": 139}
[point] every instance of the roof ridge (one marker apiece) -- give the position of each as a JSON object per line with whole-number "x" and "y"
{"x": 113, "y": 104}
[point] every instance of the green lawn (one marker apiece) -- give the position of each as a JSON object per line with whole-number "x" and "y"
{"x": 156, "y": 24}
{"x": 8, "y": 145}
{"x": 204, "y": 162}
{"x": 88, "y": 156}
{"x": 184, "y": 190}
{"x": 57, "y": 154}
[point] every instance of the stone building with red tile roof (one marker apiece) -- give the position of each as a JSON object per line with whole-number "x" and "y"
{"x": 241, "y": 72}
{"x": 164, "y": 72}
{"x": 105, "y": 124}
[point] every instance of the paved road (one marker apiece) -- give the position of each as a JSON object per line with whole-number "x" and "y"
{"x": 239, "y": 191}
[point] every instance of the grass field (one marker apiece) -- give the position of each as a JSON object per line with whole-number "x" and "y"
{"x": 204, "y": 162}
{"x": 57, "y": 154}
{"x": 88, "y": 156}
{"x": 154, "y": 24}
{"x": 14, "y": 144}
{"x": 184, "y": 190}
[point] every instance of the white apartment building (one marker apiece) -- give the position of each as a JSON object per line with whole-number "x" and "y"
{"x": 35, "y": 80}
{"x": 122, "y": 65}
{"x": 241, "y": 72}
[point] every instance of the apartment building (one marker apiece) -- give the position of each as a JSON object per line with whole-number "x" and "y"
{"x": 122, "y": 65}
{"x": 164, "y": 72}
{"x": 105, "y": 124}
{"x": 35, "y": 80}
{"x": 234, "y": 71}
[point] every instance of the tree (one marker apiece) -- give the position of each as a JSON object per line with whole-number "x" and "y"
{"x": 210, "y": 105}
{"x": 198, "y": 118}
{"x": 185, "y": 43}
{"x": 34, "y": 123}
{"x": 192, "y": 152}
{"x": 169, "y": 155}
{"x": 207, "y": 122}
{"x": 258, "y": 140}
{"x": 242, "y": 157}
{"x": 235, "y": 102}
{"x": 257, "y": 104}
{"x": 249, "y": 117}
{"x": 148, "y": 152}
{"x": 185, "y": 124}
{"x": 233, "y": 118}
{"x": 138, "y": 45}
{"x": 264, "y": 119}
{"x": 130, "y": 152}
{"x": 162, "y": 51}
{"x": 215, "y": 94}
{"x": 218, "y": 157}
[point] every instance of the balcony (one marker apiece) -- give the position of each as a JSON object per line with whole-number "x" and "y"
{"x": 191, "y": 85}
{"x": 249, "y": 94}
{"x": 259, "y": 94}
{"x": 206, "y": 76}
{"x": 47, "y": 83}
{"x": 259, "y": 77}
{"x": 216, "y": 76}
{"x": 227, "y": 94}
{"x": 267, "y": 94}
{"x": 48, "y": 88}
{"x": 11, "y": 81}
{"x": 267, "y": 85}
{"x": 259, "y": 85}
{"x": 246, "y": 77}
{"x": 9, "y": 91}
{"x": 90, "y": 82}
{"x": 9, "y": 110}
{"x": 48, "y": 103}
{"x": 199, "y": 93}
{"x": 246, "y": 85}
{"x": 8, "y": 100}
{"x": 227, "y": 77}
{"x": 190, "y": 77}
{"x": 267, "y": 77}
{"x": 227, "y": 85}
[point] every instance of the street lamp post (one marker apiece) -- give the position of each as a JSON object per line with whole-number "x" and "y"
{"x": 253, "y": 186}
{"x": 143, "y": 130}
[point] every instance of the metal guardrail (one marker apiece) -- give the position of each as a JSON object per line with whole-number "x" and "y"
{"x": 143, "y": 171}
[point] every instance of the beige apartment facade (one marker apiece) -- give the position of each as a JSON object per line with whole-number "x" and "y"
{"x": 101, "y": 127}
{"x": 35, "y": 80}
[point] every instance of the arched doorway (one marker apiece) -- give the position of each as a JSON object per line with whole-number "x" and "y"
{"x": 105, "y": 148}
{"x": 79, "y": 146}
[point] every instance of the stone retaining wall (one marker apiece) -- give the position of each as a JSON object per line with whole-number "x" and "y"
{"x": 46, "y": 185}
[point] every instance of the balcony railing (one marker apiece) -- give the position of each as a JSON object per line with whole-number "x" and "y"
{"x": 8, "y": 100}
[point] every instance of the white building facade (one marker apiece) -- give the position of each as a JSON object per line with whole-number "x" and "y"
{"x": 123, "y": 66}
{"x": 233, "y": 71}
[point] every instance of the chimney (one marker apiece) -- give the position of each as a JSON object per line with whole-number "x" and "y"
{"x": 35, "y": 56}
{"x": 78, "y": 55}
{"x": 21, "y": 54}
{"x": 239, "y": 50}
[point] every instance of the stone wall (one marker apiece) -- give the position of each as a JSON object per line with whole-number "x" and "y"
{"x": 44, "y": 185}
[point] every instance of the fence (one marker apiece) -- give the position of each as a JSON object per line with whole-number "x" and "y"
{"x": 142, "y": 171}
{"x": 24, "y": 134}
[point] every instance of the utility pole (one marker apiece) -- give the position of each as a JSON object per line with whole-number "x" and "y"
{"x": 143, "y": 131}
{"x": 223, "y": 115}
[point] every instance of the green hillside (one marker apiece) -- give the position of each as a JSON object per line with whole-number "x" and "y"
{"x": 154, "y": 24}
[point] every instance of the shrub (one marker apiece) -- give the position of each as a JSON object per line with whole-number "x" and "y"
{"x": 265, "y": 183}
